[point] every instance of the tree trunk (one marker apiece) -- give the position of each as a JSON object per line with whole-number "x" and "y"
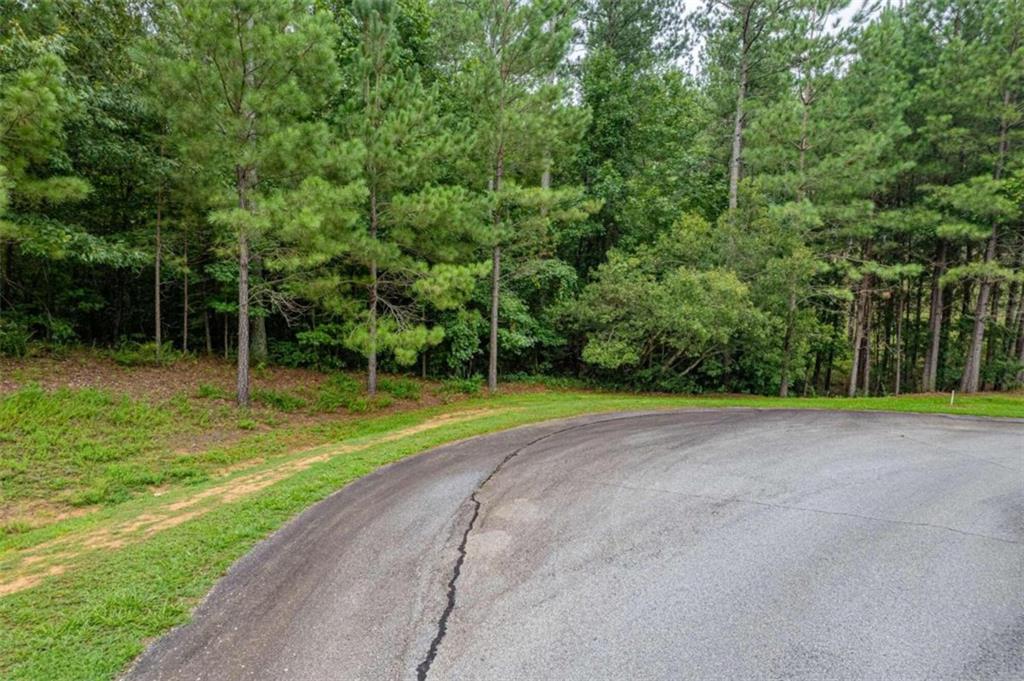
{"x": 787, "y": 344}
{"x": 1010, "y": 323}
{"x": 972, "y": 367}
{"x": 492, "y": 364}
{"x": 993, "y": 337}
{"x": 184, "y": 315}
{"x": 829, "y": 362}
{"x": 915, "y": 340}
{"x": 931, "y": 360}
{"x": 735, "y": 161}
{"x": 246, "y": 180}
{"x": 815, "y": 375}
{"x": 206, "y": 332}
{"x": 859, "y": 314}
{"x": 243, "y": 319}
{"x": 1017, "y": 349}
{"x": 156, "y": 271}
{"x": 851, "y": 390}
{"x": 899, "y": 342}
{"x": 371, "y": 363}
{"x": 866, "y": 352}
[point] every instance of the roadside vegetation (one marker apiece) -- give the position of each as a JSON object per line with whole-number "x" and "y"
{"x": 121, "y": 505}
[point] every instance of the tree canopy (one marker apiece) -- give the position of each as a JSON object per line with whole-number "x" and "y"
{"x": 769, "y": 196}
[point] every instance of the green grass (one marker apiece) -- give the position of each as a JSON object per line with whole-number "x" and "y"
{"x": 91, "y": 621}
{"x": 84, "y": 446}
{"x": 89, "y": 446}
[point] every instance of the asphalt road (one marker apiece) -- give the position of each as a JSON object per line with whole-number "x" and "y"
{"x": 705, "y": 545}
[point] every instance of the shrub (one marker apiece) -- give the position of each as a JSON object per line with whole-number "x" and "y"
{"x": 14, "y": 338}
{"x": 340, "y": 391}
{"x": 212, "y": 392}
{"x": 132, "y": 354}
{"x": 401, "y": 388}
{"x": 466, "y": 386}
{"x": 277, "y": 399}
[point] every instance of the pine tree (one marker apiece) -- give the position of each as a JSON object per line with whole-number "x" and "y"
{"x": 999, "y": 83}
{"x": 747, "y": 49}
{"x": 418, "y": 233}
{"x": 510, "y": 49}
{"x": 242, "y": 77}
{"x": 788, "y": 156}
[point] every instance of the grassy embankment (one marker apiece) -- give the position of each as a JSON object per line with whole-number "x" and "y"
{"x": 120, "y": 512}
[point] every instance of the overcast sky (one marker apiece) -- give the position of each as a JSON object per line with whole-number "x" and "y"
{"x": 846, "y": 14}
{"x": 845, "y": 17}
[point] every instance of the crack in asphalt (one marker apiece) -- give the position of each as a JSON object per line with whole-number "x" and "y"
{"x": 423, "y": 668}
{"x": 442, "y": 623}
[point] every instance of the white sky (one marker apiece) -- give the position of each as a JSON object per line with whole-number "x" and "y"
{"x": 845, "y": 17}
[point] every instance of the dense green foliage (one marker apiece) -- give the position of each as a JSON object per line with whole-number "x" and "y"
{"x": 767, "y": 196}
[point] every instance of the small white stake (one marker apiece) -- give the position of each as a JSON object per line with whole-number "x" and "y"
{"x": 952, "y": 396}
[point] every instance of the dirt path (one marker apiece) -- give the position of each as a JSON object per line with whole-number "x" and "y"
{"x": 34, "y": 564}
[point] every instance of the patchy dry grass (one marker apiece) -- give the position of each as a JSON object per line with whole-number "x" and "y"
{"x": 84, "y": 432}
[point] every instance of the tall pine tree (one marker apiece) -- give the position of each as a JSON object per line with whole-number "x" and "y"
{"x": 419, "y": 234}
{"x": 242, "y": 77}
{"x": 508, "y": 52}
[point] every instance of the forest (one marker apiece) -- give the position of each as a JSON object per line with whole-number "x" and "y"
{"x": 791, "y": 197}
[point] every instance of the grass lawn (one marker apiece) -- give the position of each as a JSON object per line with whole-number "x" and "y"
{"x": 137, "y": 527}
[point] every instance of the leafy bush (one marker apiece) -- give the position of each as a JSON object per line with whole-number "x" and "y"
{"x": 59, "y": 331}
{"x": 401, "y": 388}
{"x": 341, "y": 391}
{"x": 277, "y": 399}
{"x": 322, "y": 348}
{"x": 553, "y": 382}
{"x": 132, "y": 354}
{"x": 466, "y": 386}
{"x": 14, "y": 338}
